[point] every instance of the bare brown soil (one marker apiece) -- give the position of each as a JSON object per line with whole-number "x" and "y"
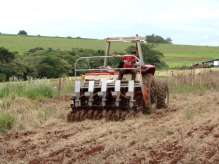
{"x": 186, "y": 132}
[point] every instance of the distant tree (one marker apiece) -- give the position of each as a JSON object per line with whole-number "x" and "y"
{"x": 5, "y": 72}
{"x": 22, "y": 32}
{"x": 18, "y": 68}
{"x": 10, "y": 65}
{"x": 157, "y": 39}
{"x": 6, "y": 56}
{"x": 169, "y": 40}
{"x": 53, "y": 67}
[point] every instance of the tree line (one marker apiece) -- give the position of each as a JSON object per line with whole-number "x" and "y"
{"x": 158, "y": 39}
{"x": 53, "y": 63}
{"x": 154, "y": 39}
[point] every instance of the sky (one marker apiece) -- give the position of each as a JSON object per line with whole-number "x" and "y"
{"x": 194, "y": 22}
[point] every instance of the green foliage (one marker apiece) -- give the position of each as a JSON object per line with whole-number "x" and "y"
{"x": 39, "y": 63}
{"x": 53, "y": 67}
{"x": 10, "y": 65}
{"x": 52, "y": 63}
{"x": 157, "y": 39}
{"x": 7, "y": 59}
{"x": 22, "y": 32}
{"x": 6, "y": 122}
{"x": 151, "y": 56}
{"x": 6, "y": 56}
{"x": 3, "y": 76}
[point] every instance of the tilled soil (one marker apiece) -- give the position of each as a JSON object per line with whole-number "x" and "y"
{"x": 186, "y": 132}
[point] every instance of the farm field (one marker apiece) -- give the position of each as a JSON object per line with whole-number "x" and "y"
{"x": 186, "y": 132}
{"x": 175, "y": 55}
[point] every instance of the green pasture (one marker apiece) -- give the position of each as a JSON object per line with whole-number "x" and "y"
{"x": 175, "y": 55}
{"x": 180, "y": 55}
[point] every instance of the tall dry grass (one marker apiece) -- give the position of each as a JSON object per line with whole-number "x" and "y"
{"x": 26, "y": 114}
{"x": 194, "y": 81}
{"x": 28, "y": 104}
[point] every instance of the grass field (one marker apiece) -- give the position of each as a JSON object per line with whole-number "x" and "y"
{"x": 175, "y": 55}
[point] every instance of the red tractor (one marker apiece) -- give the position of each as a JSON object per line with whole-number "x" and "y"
{"x": 109, "y": 92}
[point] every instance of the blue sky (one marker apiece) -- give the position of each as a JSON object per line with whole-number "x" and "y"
{"x": 185, "y": 21}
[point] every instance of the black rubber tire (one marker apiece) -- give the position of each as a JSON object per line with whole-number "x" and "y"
{"x": 162, "y": 94}
{"x": 153, "y": 92}
{"x": 148, "y": 81}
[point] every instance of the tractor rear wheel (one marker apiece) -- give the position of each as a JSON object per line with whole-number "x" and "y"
{"x": 162, "y": 94}
{"x": 149, "y": 85}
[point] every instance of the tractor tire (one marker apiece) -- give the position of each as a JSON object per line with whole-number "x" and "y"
{"x": 162, "y": 95}
{"x": 153, "y": 92}
{"x": 148, "y": 81}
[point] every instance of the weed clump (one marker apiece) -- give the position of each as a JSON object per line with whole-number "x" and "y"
{"x": 6, "y": 122}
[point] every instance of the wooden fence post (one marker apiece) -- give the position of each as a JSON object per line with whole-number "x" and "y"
{"x": 60, "y": 87}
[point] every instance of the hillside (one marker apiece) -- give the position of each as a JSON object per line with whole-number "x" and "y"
{"x": 175, "y": 55}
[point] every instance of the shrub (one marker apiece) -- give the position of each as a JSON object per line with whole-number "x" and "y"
{"x": 6, "y": 122}
{"x": 6, "y": 56}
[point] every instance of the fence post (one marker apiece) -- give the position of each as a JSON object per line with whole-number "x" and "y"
{"x": 60, "y": 87}
{"x": 193, "y": 76}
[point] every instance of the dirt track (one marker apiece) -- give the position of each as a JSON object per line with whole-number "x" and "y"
{"x": 187, "y": 132}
